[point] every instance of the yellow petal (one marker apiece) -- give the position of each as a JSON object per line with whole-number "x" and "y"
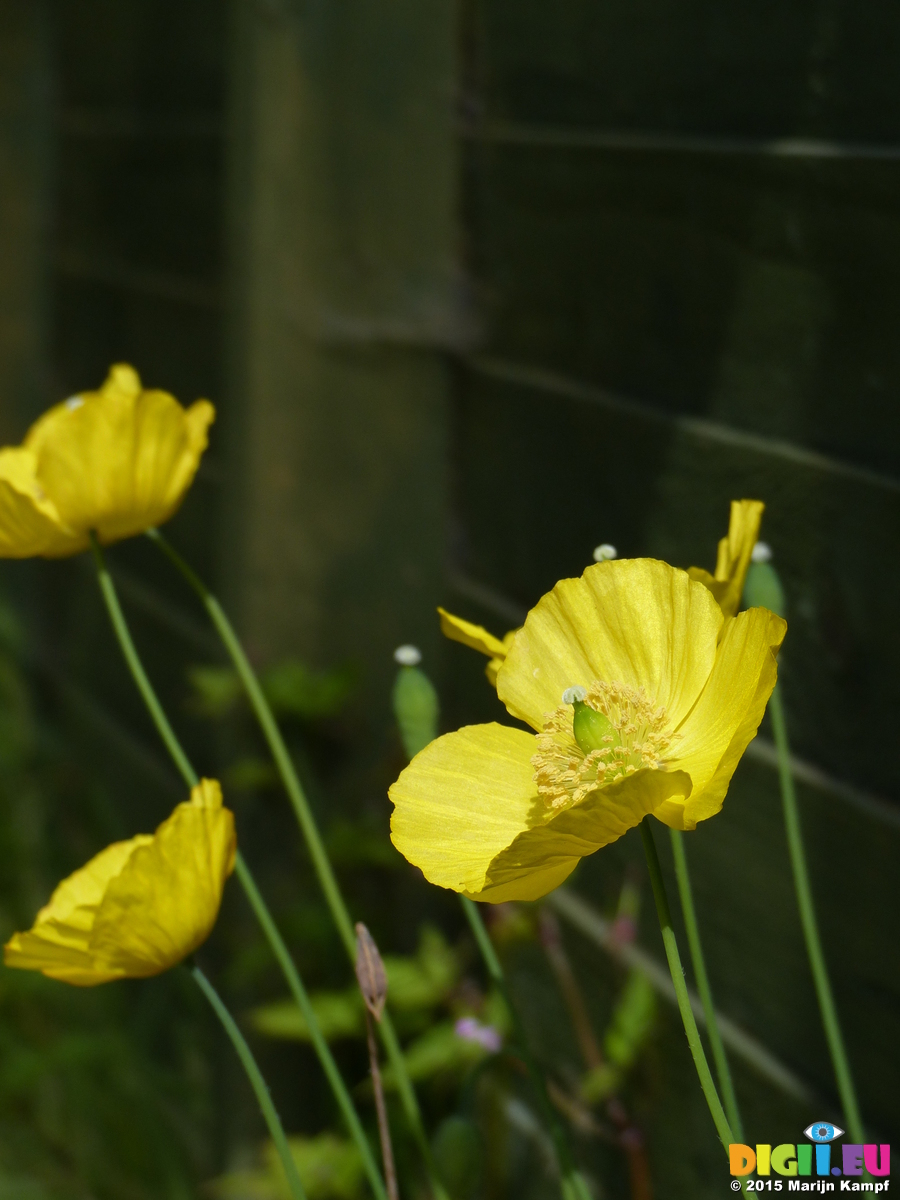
{"x": 29, "y": 522}
{"x": 139, "y": 906}
{"x": 467, "y": 813}
{"x": 476, "y": 637}
{"x": 462, "y": 800}
{"x": 634, "y": 621}
{"x": 542, "y": 857}
{"x": 727, "y": 585}
{"x": 727, "y": 715}
{"x": 58, "y": 944}
{"x": 164, "y": 902}
{"x": 121, "y": 459}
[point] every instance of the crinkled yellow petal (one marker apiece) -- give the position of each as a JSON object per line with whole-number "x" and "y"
{"x": 164, "y": 902}
{"x": 634, "y": 621}
{"x": 462, "y": 800}
{"x": 58, "y": 944}
{"x": 29, "y": 522}
{"x": 542, "y": 857}
{"x": 119, "y": 460}
{"x": 476, "y": 637}
{"x": 139, "y": 906}
{"x": 733, "y": 560}
{"x": 727, "y": 715}
{"x": 467, "y": 813}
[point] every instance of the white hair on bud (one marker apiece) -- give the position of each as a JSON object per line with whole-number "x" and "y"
{"x": 604, "y": 552}
{"x": 762, "y": 552}
{"x": 74, "y": 402}
{"x": 408, "y": 656}
{"x": 571, "y": 694}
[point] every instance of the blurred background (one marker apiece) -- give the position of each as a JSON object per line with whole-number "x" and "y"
{"x": 473, "y": 287}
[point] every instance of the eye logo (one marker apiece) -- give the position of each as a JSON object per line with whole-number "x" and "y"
{"x": 822, "y": 1131}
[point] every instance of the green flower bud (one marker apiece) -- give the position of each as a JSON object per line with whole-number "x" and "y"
{"x": 762, "y": 589}
{"x": 416, "y": 709}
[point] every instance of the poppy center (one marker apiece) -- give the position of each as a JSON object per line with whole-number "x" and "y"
{"x": 598, "y": 735}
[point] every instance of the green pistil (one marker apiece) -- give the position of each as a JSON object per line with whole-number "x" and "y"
{"x": 593, "y": 731}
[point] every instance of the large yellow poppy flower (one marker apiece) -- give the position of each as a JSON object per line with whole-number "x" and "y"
{"x": 138, "y": 907}
{"x": 117, "y": 462}
{"x": 644, "y": 697}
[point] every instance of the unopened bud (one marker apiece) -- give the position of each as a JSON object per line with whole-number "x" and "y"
{"x": 762, "y": 588}
{"x": 416, "y": 708}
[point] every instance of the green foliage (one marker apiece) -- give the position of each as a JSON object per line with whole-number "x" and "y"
{"x": 90, "y": 1107}
{"x": 295, "y": 690}
{"x": 459, "y": 1155}
{"x": 415, "y": 985}
{"x": 438, "y": 1051}
{"x": 291, "y": 688}
{"x": 627, "y": 1034}
{"x": 215, "y": 691}
{"x": 330, "y": 1169}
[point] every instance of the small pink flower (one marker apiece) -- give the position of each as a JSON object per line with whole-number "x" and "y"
{"x": 472, "y": 1030}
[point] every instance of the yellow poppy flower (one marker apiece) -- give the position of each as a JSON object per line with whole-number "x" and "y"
{"x": 727, "y": 584}
{"x": 476, "y": 637}
{"x": 643, "y": 697}
{"x": 117, "y": 461}
{"x": 138, "y": 907}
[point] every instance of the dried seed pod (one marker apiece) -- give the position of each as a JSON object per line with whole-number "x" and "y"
{"x": 370, "y": 972}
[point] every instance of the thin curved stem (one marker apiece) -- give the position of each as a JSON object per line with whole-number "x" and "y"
{"x": 723, "y": 1129}
{"x": 244, "y": 875}
{"x": 319, "y": 855}
{"x": 245, "y": 1054}
{"x": 808, "y": 920}
{"x": 133, "y": 659}
{"x": 573, "y": 1183}
{"x": 692, "y": 928}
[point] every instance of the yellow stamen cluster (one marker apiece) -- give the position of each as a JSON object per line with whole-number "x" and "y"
{"x": 638, "y": 738}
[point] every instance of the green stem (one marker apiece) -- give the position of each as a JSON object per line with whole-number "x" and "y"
{"x": 681, "y": 993}
{"x": 573, "y": 1183}
{"x": 132, "y": 658}
{"x": 810, "y": 925}
{"x": 245, "y": 878}
{"x": 720, "y": 1058}
{"x": 306, "y": 820}
{"x": 315, "y": 1032}
{"x": 245, "y": 1054}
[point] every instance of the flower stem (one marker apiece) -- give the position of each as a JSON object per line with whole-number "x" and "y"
{"x": 316, "y": 847}
{"x": 132, "y": 658}
{"x": 681, "y": 993}
{"x": 810, "y": 925}
{"x": 245, "y": 878}
{"x": 245, "y": 1054}
{"x": 384, "y": 1129}
{"x": 574, "y": 1186}
{"x": 720, "y": 1058}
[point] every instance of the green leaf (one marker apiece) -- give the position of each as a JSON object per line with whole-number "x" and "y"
{"x": 215, "y": 690}
{"x": 294, "y": 689}
{"x": 339, "y": 1014}
{"x": 438, "y": 1051}
{"x": 330, "y": 1168}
